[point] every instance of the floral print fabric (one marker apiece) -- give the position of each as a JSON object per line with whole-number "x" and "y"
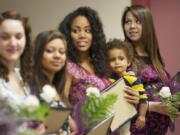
{"x": 156, "y": 124}
{"x": 81, "y": 79}
{"x": 77, "y": 96}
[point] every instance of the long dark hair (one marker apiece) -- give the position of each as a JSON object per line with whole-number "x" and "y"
{"x": 149, "y": 38}
{"x": 26, "y": 57}
{"x": 97, "y": 50}
{"x": 40, "y": 79}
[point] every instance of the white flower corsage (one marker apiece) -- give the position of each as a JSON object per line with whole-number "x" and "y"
{"x": 48, "y": 93}
{"x": 93, "y": 91}
{"x": 31, "y": 103}
{"x": 165, "y": 92}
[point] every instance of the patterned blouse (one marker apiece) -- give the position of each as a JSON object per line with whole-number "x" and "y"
{"x": 156, "y": 123}
{"x": 9, "y": 93}
{"x": 81, "y": 79}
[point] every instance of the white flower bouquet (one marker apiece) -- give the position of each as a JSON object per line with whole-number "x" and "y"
{"x": 15, "y": 118}
{"x": 170, "y": 101}
{"x": 32, "y": 109}
{"x": 48, "y": 94}
{"x": 96, "y": 107}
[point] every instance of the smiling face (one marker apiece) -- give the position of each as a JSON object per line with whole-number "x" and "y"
{"x": 132, "y": 27}
{"x": 12, "y": 40}
{"x": 54, "y": 56}
{"x": 81, "y": 34}
{"x": 118, "y": 61}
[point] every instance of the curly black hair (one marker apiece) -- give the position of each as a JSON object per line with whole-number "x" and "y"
{"x": 97, "y": 50}
{"x": 26, "y": 57}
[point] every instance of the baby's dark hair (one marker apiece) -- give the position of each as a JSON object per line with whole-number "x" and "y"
{"x": 122, "y": 45}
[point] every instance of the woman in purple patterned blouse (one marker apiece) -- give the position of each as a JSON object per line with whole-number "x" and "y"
{"x": 87, "y": 61}
{"x": 138, "y": 27}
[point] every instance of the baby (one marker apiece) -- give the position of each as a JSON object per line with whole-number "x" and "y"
{"x": 120, "y": 57}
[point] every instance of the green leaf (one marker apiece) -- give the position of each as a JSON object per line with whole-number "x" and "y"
{"x": 97, "y": 108}
{"x": 37, "y": 114}
{"x": 171, "y": 104}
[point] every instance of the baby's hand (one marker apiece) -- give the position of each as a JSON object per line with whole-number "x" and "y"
{"x": 140, "y": 122}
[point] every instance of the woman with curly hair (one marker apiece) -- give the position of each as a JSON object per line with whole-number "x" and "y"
{"x": 87, "y": 64}
{"x": 86, "y": 51}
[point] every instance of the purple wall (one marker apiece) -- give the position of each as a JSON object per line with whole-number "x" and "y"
{"x": 167, "y": 22}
